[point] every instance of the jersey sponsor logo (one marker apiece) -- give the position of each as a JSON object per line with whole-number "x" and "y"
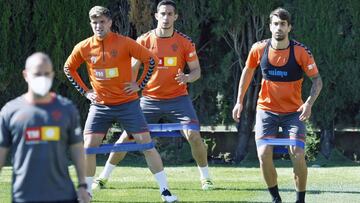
{"x": 168, "y": 61}
{"x": 33, "y": 134}
{"x": 44, "y": 133}
{"x": 107, "y": 73}
{"x": 278, "y": 73}
{"x": 50, "y": 133}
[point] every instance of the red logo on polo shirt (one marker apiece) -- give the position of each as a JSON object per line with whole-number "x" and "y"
{"x": 33, "y": 134}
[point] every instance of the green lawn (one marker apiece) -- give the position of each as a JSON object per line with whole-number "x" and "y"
{"x": 234, "y": 184}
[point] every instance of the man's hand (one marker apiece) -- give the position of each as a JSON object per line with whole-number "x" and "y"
{"x": 237, "y": 112}
{"x": 181, "y": 78}
{"x": 92, "y": 96}
{"x": 131, "y": 87}
{"x": 306, "y": 111}
{"x": 83, "y": 195}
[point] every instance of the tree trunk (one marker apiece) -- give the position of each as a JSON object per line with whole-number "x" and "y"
{"x": 327, "y": 140}
{"x": 247, "y": 118}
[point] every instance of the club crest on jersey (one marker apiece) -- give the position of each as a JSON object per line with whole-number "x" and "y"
{"x": 174, "y": 47}
{"x": 56, "y": 115}
{"x": 114, "y": 53}
{"x": 42, "y": 134}
{"x": 168, "y": 61}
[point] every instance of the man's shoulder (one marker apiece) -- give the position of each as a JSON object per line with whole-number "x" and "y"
{"x": 183, "y": 37}
{"x": 13, "y": 105}
{"x": 260, "y": 45}
{"x": 146, "y": 35}
{"x": 298, "y": 46}
{"x": 84, "y": 43}
{"x": 63, "y": 101}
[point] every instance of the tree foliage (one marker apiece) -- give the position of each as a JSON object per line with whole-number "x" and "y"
{"x": 223, "y": 32}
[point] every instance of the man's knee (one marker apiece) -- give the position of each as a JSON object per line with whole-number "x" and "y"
{"x": 142, "y": 138}
{"x": 297, "y": 154}
{"x": 93, "y": 140}
{"x": 194, "y": 137}
{"x": 265, "y": 154}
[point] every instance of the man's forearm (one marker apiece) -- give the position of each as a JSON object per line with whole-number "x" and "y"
{"x": 135, "y": 66}
{"x": 75, "y": 80}
{"x": 315, "y": 89}
{"x": 244, "y": 83}
{"x": 77, "y": 156}
{"x": 194, "y": 75}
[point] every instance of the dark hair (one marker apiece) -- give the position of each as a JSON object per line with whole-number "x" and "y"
{"x": 281, "y": 13}
{"x": 166, "y": 2}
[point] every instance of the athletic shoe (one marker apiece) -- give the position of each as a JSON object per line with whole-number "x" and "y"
{"x": 277, "y": 200}
{"x": 207, "y": 184}
{"x": 167, "y": 197}
{"x": 99, "y": 184}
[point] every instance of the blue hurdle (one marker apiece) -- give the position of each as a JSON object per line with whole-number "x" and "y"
{"x": 156, "y": 130}
{"x": 280, "y": 144}
{"x": 123, "y": 147}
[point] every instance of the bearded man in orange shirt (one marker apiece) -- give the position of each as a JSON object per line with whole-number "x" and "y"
{"x": 282, "y": 62}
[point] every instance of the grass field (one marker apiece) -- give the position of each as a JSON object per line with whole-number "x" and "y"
{"x": 242, "y": 183}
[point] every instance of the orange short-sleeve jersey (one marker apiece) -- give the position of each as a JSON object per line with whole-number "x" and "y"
{"x": 108, "y": 63}
{"x": 173, "y": 53}
{"x": 276, "y": 96}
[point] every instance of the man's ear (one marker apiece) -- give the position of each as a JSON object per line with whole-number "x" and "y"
{"x": 156, "y": 16}
{"x": 25, "y": 75}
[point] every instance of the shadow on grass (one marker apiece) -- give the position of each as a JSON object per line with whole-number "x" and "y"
{"x": 136, "y": 160}
{"x": 185, "y": 201}
{"x": 291, "y": 190}
{"x": 240, "y": 189}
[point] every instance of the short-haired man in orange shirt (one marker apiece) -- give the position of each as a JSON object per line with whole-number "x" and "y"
{"x": 282, "y": 62}
{"x": 108, "y": 59}
{"x": 165, "y": 95}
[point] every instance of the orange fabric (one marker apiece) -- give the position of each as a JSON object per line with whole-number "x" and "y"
{"x": 281, "y": 97}
{"x": 173, "y": 53}
{"x": 108, "y": 63}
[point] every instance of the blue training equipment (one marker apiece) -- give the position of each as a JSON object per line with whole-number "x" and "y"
{"x": 156, "y": 130}
{"x": 280, "y": 144}
{"x": 170, "y": 129}
{"x": 123, "y": 147}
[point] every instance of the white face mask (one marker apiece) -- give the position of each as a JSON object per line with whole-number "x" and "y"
{"x": 40, "y": 85}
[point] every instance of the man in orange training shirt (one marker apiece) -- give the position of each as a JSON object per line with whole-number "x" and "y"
{"x": 166, "y": 94}
{"x": 108, "y": 59}
{"x": 282, "y": 62}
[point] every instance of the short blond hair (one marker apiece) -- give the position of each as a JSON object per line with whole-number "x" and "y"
{"x": 98, "y": 11}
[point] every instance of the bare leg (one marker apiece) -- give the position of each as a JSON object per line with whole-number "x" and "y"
{"x": 198, "y": 148}
{"x": 152, "y": 156}
{"x": 265, "y": 154}
{"x": 300, "y": 167}
{"x": 115, "y": 158}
